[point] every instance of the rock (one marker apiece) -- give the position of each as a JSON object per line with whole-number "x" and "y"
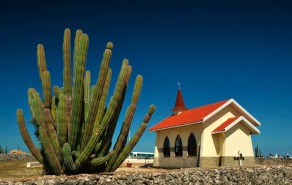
{"x": 279, "y": 174}
{"x": 17, "y": 152}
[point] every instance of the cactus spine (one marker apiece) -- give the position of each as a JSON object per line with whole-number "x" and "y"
{"x": 75, "y": 125}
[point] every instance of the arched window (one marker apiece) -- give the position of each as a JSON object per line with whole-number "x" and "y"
{"x": 192, "y": 145}
{"x": 178, "y": 147}
{"x": 166, "y": 147}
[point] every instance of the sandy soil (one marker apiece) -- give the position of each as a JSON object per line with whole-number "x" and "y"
{"x": 16, "y": 170}
{"x": 138, "y": 167}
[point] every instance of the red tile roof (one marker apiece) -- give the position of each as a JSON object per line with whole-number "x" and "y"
{"x": 225, "y": 124}
{"x": 187, "y": 117}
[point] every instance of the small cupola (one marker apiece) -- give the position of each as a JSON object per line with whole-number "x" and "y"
{"x": 179, "y": 103}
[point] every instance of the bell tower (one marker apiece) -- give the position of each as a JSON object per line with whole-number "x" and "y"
{"x": 179, "y": 103}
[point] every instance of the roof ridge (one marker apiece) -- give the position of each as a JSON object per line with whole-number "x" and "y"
{"x": 191, "y": 116}
{"x": 212, "y": 103}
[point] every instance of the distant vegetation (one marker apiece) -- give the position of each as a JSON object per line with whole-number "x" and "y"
{"x": 2, "y": 151}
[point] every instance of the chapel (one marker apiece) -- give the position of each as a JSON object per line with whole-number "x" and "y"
{"x": 216, "y": 134}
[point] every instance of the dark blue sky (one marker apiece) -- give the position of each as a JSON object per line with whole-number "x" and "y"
{"x": 216, "y": 49}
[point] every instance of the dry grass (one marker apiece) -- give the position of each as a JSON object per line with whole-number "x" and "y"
{"x": 14, "y": 170}
{"x": 18, "y": 169}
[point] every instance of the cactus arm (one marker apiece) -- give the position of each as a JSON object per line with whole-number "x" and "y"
{"x": 68, "y": 114}
{"x": 101, "y": 160}
{"x": 121, "y": 141}
{"x": 113, "y": 105}
{"x": 67, "y": 62}
{"x": 43, "y": 135}
{"x": 125, "y": 152}
{"x": 68, "y": 159}
{"x": 26, "y": 137}
{"x": 49, "y": 152}
{"x": 41, "y": 59}
{"x": 61, "y": 90}
{"x": 56, "y": 90}
{"x": 31, "y": 102}
{"x": 51, "y": 130}
{"x": 93, "y": 88}
{"x": 46, "y": 84}
{"x": 62, "y": 120}
{"x": 35, "y": 104}
{"x": 54, "y": 108}
{"x": 77, "y": 102}
{"x": 102, "y": 103}
{"x": 78, "y": 35}
{"x": 97, "y": 94}
{"x": 87, "y": 81}
{"x": 86, "y": 130}
{"x": 107, "y": 139}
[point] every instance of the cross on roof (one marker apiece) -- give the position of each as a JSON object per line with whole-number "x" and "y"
{"x": 178, "y": 85}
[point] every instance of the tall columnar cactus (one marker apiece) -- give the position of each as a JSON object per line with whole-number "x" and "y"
{"x": 74, "y": 125}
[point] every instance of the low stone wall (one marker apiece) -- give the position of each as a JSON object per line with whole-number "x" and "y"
{"x": 225, "y": 175}
{"x": 175, "y": 162}
{"x": 190, "y": 162}
{"x": 17, "y": 157}
{"x": 231, "y": 161}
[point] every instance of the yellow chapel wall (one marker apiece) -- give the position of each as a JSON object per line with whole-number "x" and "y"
{"x": 238, "y": 138}
{"x": 172, "y": 133}
{"x": 212, "y": 144}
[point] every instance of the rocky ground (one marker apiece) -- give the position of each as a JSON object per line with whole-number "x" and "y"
{"x": 141, "y": 174}
{"x": 260, "y": 174}
{"x": 16, "y": 157}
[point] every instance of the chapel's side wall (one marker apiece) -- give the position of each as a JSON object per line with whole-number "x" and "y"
{"x": 238, "y": 139}
{"x": 212, "y": 144}
{"x": 173, "y": 161}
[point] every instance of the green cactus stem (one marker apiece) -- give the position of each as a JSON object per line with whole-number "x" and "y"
{"x": 76, "y": 118}
{"x": 26, "y": 138}
{"x": 42, "y": 66}
{"x": 67, "y": 62}
{"x": 46, "y": 83}
{"x": 97, "y": 94}
{"x": 51, "y": 130}
{"x": 121, "y": 141}
{"x": 56, "y": 91}
{"x": 125, "y": 152}
{"x": 102, "y": 104}
{"x": 68, "y": 159}
{"x": 101, "y": 160}
{"x": 49, "y": 151}
{"x": 113, "y": 105}
{"x": 36, "y": 106}
{"x": 87, "y": 81}
{"x": 54, "y": 108}
{"x": 78, "y": 35}
{"x": 62, "y": 120}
